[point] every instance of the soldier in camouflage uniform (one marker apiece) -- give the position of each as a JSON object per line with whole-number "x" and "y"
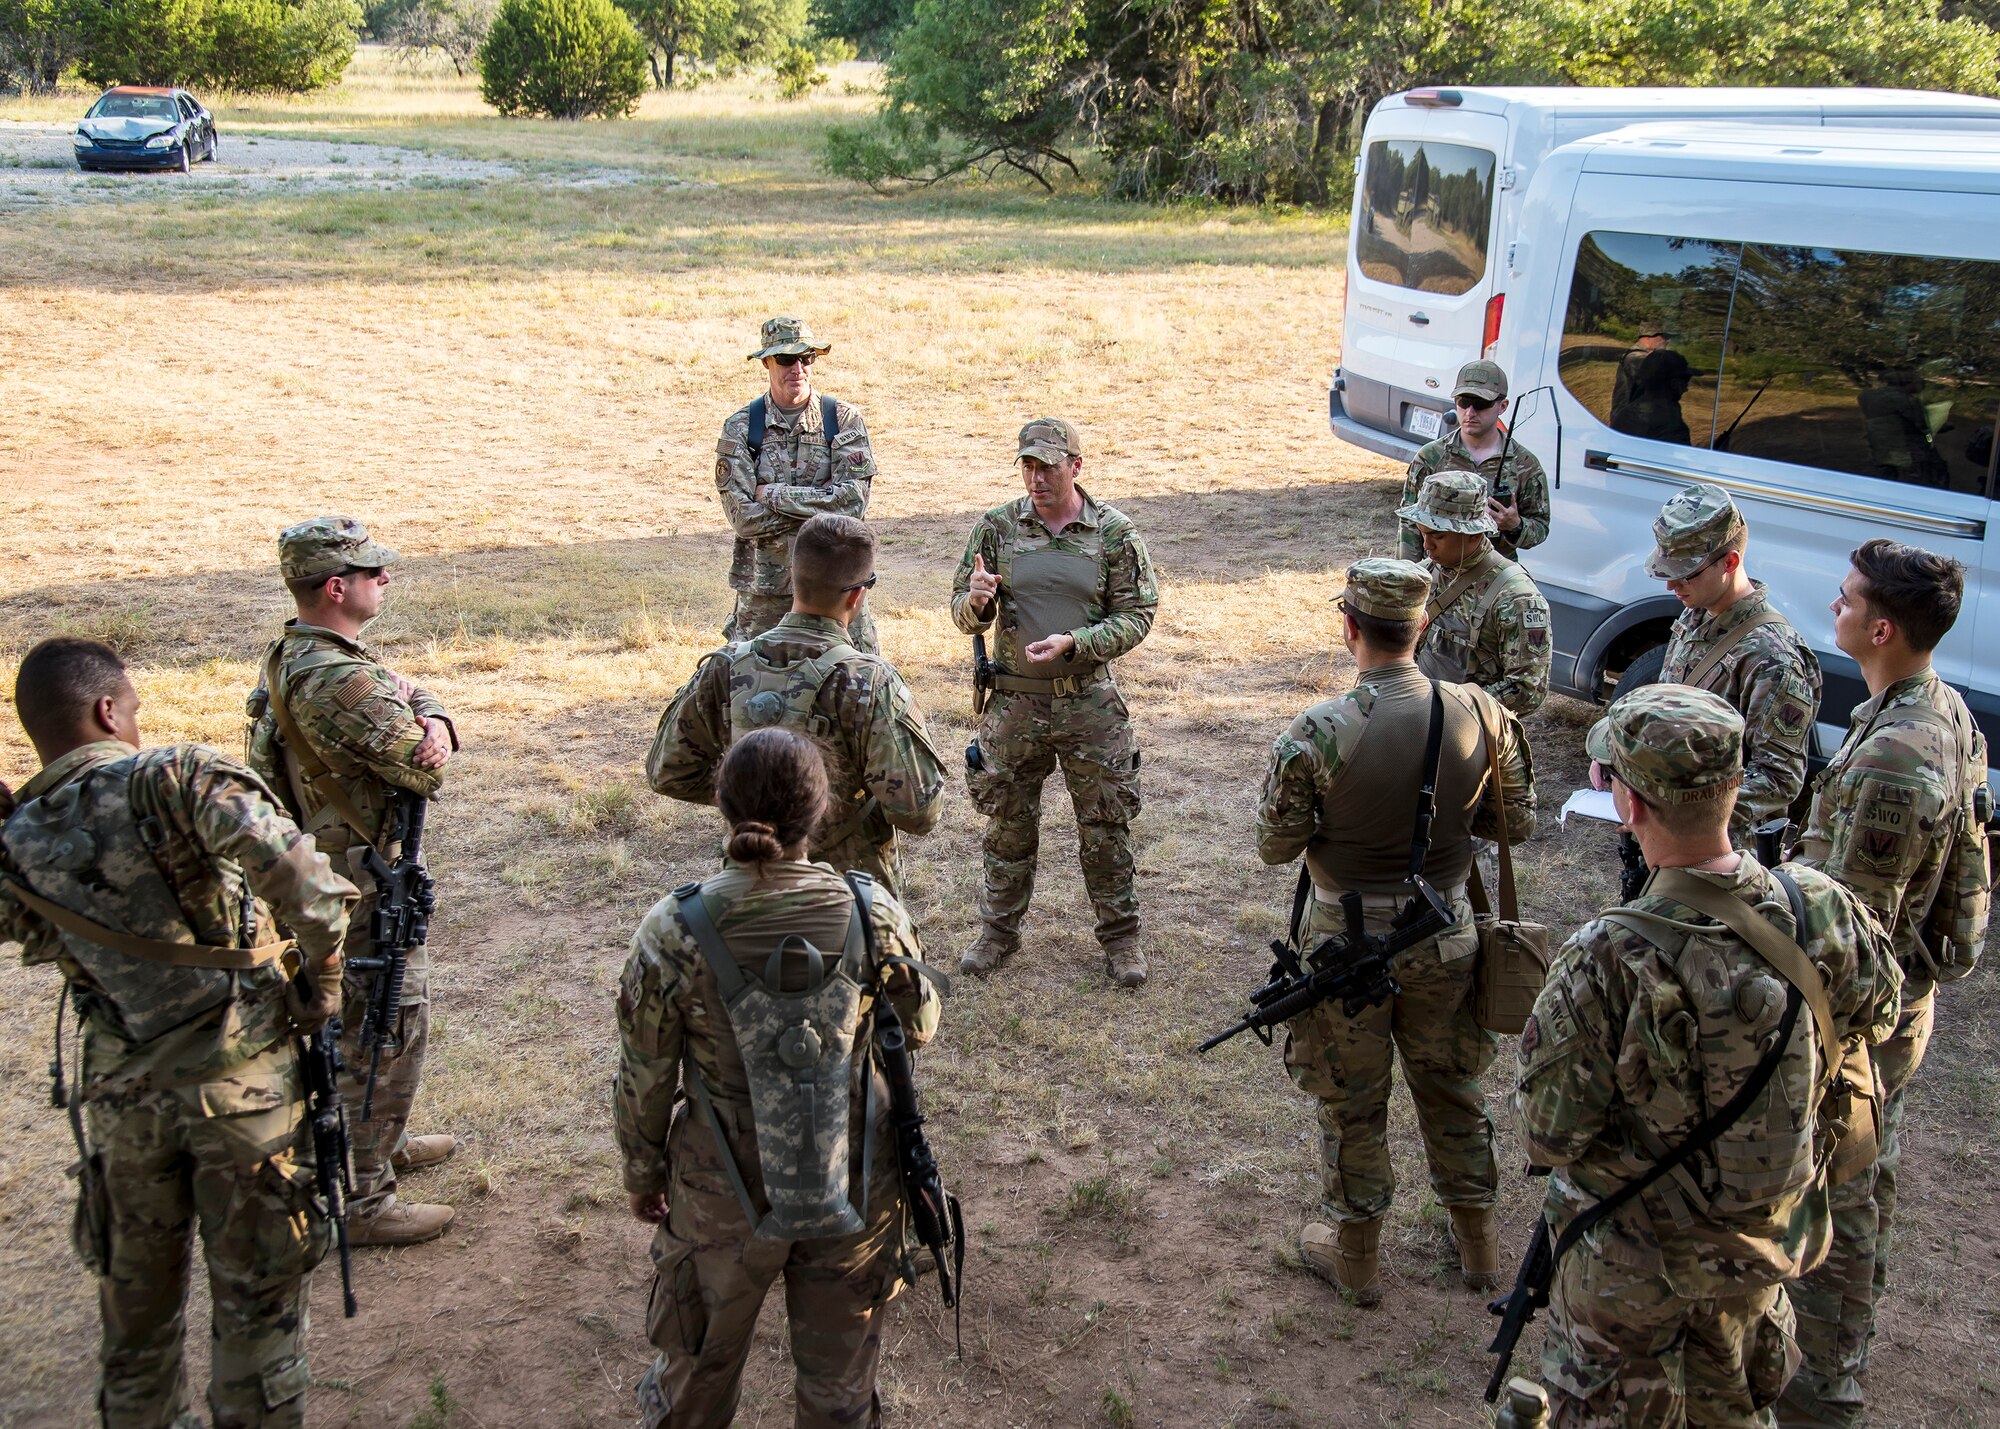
{"x": 1353, "y": 818}
{"x": 1672, "y": 1309}
{"x": 115, "y": 861}
{"x": 368, "y": 733}
{"x": 1486, "y": 623}
{"x": 771, "y": 486}
{"x": 1899, "y": 816}
{"x": 803, "y": 674}
{"x": 1066, "y": 586}
{"x": 1517, "y": 489}
{"x": 693, "y": 1173}
{"x": 1733, "y": 641}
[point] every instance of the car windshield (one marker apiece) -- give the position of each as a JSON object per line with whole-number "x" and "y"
{"x": 134, "y": 106}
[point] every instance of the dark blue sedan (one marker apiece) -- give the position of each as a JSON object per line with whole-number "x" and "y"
{"x": 139, "y": 127}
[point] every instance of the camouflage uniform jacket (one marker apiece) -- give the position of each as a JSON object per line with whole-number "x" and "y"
{"x": 1122, "y": 609}
{"x": 236, "y": 865}
{"x": 1630, "y": 1048}
{"x": 1521, "y": 472}
{"x": 1322, "y": 750}
{"x": 367, "y": 734}
{"x": 1495, "y": 633}
{"x": 1773, "y": 679}
{"x": 867, "y": 721}
{"x": 669, "y": 1006}
{"x": 1885, "y": 815}
{"x": 809, "y": 480}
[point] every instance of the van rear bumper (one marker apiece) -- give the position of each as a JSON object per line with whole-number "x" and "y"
{"x": 1367, "y": 438}
{"x": 1365, "y": 412}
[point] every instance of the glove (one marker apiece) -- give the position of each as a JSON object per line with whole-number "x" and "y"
{"x": 313, "y": 998}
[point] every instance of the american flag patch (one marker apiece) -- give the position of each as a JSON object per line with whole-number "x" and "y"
{"x": 357, "y": 687}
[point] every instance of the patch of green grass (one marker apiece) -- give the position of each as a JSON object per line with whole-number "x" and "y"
{"x": 1104, "y": 1197}
{"x": 1118, "y": 1409}
{"x": 438, "y": 1413}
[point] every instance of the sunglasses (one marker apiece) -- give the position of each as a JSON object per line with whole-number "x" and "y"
{"x": 1469, "y": 403}
{"x": 793, "y": 359}
{"x": 868, "y": 584}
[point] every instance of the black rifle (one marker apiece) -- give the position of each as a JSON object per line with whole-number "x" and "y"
{"x": 1517, "y": 1307}
{"x": 1633, "y": 869}
{"x": 326, "y": 1113}
{"x": 982, "y": 675}
{"x": 405, "y": 897}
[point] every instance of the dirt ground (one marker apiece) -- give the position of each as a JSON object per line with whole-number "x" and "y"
{"x": 519, "y": 387}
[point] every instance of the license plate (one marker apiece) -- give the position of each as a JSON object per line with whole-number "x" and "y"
{"x": 1423, "y": 422}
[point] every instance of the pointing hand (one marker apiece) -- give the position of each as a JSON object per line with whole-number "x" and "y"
{"x": 985, "y": 585}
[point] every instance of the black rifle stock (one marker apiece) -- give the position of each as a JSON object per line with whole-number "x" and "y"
{"x": 1516, "y": 1309}
{"x": 1770, "y": 840}
{"x": 1633, "y": 870}
{"x": 934, "y": 1211}
{"x": 405, "y": 898}
{"x": 326, "y": 1114}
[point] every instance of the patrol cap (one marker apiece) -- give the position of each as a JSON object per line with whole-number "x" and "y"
{"x": 787, "y": 337}
{"x": 1696, "y": 525}
{"x": 1673, "y": 743}
{"x": 326, "y": 544}
{"x": 1385, "y": 588}
{"x": 1049, "y": 440}
{"x": 1452, "y": 501}
{"x": 1481, "y": 379}
{"x": 1651, "y": 330}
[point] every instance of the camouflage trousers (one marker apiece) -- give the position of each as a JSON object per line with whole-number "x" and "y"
{"x": 1836, "y": 1303}
{"x": 232, "y": 1157}
{"x": 1022, "y": 740}
{"x": 1349, "y": 1063}
{"x": 377, "y": 1139}
{"x": 755, "y": 614}
{"x": 710, "y": 1276}
{"x": 1625, "y": 1352}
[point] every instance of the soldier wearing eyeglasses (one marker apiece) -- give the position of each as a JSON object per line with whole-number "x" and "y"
{"x": 1517, "y": 489}
{"x": 785, "y": 458}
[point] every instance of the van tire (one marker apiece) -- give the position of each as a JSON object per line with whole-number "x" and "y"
{"x": 1645, "y": 669}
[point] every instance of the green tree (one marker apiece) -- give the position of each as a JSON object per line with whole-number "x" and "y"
{"x": 289, "y": 45}
{"x": 39, "y": 39}
{"x": 568, "y": 59}
{"x": 696, "y": 28}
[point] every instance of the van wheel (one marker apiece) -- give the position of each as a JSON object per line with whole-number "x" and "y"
{"x": 1644, "y": 670}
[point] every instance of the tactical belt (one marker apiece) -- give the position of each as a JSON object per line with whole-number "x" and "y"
{"x": 152, "y": 950}
{"x": 1061, "y": 685}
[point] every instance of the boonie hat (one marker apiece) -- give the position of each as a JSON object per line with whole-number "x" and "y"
{"x": 1049, "y": 440}
{"x": 1452, "y": 501}
{"x": 1484, "y": 380}
{"x": 1673, "y": 743}
{"x": 327, "y": 544}
{"x": 1385, "y": 588}
{"x": 1693, "y": 527}
{"x": 788, "y": 337}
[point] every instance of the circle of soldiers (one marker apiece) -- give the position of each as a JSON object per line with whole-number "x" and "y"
{"x": 1712, "y": 1075}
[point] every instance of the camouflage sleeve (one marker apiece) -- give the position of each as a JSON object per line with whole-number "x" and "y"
{"x": 651, "y": 1034}
{"x": 1288, "y": 806}
{"x": 693, "y": 736}
{"x": 426, "y": 705}
{"x": 1531, "y": 499}
{"x": 903, "y": 770}
{"x": 353, "y": 706}
{"x": 235, "y": 817}
{"x": 984, "y": 543}
{"x": 1410, "y": 542}
{"x": 916, "y": 1002}
{"x": 1562, "y": 1084}
{"x": 850, "y": 474}
{"x": 736, "y": 485}
{"x": 1132, "y": 599}
{"x": 1891, "y": 793}
{"x": 1520, "y": 624}
{"x": 1778, "y": 704}
{"x": 1517, "y": 786}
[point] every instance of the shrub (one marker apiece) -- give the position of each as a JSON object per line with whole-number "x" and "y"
{"x": 39, "y": 39}
{"x": 798, "y": 72}
{"x": 293, "y": 45}
{"x": 568, "y": 59}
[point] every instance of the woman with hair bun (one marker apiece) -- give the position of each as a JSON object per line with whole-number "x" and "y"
{"x": 751, "y": 993}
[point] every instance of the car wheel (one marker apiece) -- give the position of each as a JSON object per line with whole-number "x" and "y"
{"x": 1644, "y": 670}
{"x": 187, "y": 156}
{"x": 214, "y": 142}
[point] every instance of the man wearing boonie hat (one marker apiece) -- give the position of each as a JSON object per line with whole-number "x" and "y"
{"x": 1064, "y": 584}
{"x": 1652, "y": 338}
{"x": 1487, "y": 622}
{"x": 1354, "y": 819}
{"x": 1672, "y": 1308}
{"x": 1516, "y": 488}
{"x": 787, "y": 457}
{"x": 1732, "y": 640}
{"x": 364, "y": 734}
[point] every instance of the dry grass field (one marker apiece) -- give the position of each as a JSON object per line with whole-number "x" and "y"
{"x": 518, "y": 383}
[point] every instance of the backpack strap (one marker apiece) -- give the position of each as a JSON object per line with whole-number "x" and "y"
{"x": 152, "y": 950}
{"x": 753, "y": 440}
{"x": 701, "y": 927}
{"x": 829, "y": 420}
{"x": 1729, "y": 642}
{"x": 1461, "y": 583}
{"x": 311, "y": 769}
{"x": 691, "y": 1076}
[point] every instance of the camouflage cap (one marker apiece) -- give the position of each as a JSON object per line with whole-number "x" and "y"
{"x": 326, "y": 544}
{"x": 1651, "y": 330}
{"x": 1694, "y": 527}
{"x": 1674, "y": 744}
{"x": 1452, "y": 501}
{"x": 1481, "y": 379}
{"x": 1049, "y": 440}
{"x": 788, "y": 337}
{"x": 1386, "y": 589}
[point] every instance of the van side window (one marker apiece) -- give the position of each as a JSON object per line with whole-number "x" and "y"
{"x": 1426, "y": 213}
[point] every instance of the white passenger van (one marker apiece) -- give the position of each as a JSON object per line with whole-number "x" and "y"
{"x": 1830, "y": 305}
{"x": 1438, "y": 237}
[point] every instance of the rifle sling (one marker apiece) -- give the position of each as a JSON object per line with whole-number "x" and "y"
{"x": 1461, "y": 583}
{"x": 1729, "y": 642}
{"x": 1509, "y": 905}
{"x": 312, "y": 770}
{"x": 152, "y": 950}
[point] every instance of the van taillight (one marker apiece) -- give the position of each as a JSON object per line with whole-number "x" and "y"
{"x": 1494, "y": 306}
{"x": 1433, "y": 98}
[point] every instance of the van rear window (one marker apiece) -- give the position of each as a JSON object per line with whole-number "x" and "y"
{"x": 1877, "y": 364}
{"x": 1426, "y": 213}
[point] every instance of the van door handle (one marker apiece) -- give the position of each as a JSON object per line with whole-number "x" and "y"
{"x": 1420, "y": 320}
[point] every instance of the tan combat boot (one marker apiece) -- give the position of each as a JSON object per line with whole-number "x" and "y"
{"x": 986, "y": 953}
{"x": 1347, "y": 1256}
{"x": 1125, "y": 965}
{"x": 1478, "y": 1240}
{"x": 417, "y": 1152}
{"x": 400, "y": 1222}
